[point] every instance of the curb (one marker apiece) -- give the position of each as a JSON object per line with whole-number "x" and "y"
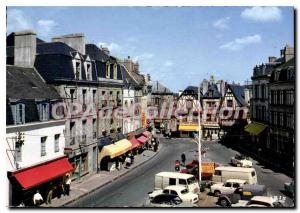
{"x": 113, "y": 179}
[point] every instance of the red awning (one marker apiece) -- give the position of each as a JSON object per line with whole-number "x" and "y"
{"x": 147, "y": 134}
{"x": 135, "y": 143}
{"x": 43, "y": 173}
{"x": 142, "y": 139}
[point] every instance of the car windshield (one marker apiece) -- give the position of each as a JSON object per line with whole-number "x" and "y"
{"x": 184, "y": 191}
{"x": 191, "y": 180}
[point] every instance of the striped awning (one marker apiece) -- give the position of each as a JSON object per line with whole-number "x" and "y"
{"x": 189, "y": 127}
{"x": 116, "y": 149}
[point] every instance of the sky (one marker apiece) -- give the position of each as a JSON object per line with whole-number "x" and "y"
{"x": 178, "y": 46}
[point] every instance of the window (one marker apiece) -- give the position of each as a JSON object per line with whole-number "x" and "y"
{"x": 229, "y": 103}
{"x": 43, "y": 146}
{"x": 94, "y": 96}
{"x": 84, "y": 99}
{"x": 182, "y": 182}
{"x": 173, "y": 192}
{"x": 18, "y": 152}
{"x": 83, "y": 130}
{"x": 217, "y": 173}
{"x": 72, "y": 91}
{"x": 94, "y": 128}
{"x": 43, "y": 109}
{"x": 73, "y": 133}
{"x": 172, "y": 181}
{"x": 18, "y": 111}
{"x": 228, "y": 184}
{"x": 88, "y": 70}
{"x": 107, "y": 71}
{"x": 253, "y": 173}
{"x": 77, "y": 71}
{"x": 235, "y": 185}
{"x": 115, "y": 71}
{"x": 56, "y": 142}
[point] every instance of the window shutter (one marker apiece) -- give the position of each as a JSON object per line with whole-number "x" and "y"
{"x": 39, "y": 111}
{"x": 23, "y": 113}
{"x": 47, "y": 112}
{"x": 14, "y": 114}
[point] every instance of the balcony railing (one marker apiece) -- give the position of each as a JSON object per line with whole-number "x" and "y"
{"x": 83, "y": 140}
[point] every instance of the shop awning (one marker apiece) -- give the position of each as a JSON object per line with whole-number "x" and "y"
{"x": 147, "y": 134}
{"x": 43, "y": 173}
{"x": 116, "y": 149}
{"x": 142, "y": 139}
{"x": 189, "y": 127}
{"x": 135, "y": 143}
{"x": 255, "y": 128}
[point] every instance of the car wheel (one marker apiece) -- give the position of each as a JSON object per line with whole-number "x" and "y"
{"x": 238, "y": 165}
{"x": 217, "y": 193}
{"x": 224, "y": 203}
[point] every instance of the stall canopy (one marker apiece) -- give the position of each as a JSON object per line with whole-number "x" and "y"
{"x": 188, "y": 127}
{"x": 142, "y": 139}
{"x": 255, "y": 128}
{"x": 116, "y": 149}
{"x": 135, "y": 143}
{"x": 147, "y": 134}
{"x": 43, "y": 173}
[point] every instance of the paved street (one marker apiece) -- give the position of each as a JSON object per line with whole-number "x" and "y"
{"x": 131, "y": 190}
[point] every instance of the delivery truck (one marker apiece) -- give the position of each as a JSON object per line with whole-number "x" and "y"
{"x": 208, "y": 169}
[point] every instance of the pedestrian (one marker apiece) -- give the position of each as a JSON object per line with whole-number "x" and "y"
{"x": 67, "y": 185}
{"x": 131, "y": 158}
{"x": 61, "y": 190}
{"x": 37, "y": 198}
{"x": 50, "y": 194}
{"x": 183, "y": 158}
{"x": 155, "y": 147}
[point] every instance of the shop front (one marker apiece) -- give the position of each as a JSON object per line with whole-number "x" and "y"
{"x": 25, "y": 182}
{"x": 113, "y": 155}
{"x": 188, "y": 130}
{"x": 79, "y": 160}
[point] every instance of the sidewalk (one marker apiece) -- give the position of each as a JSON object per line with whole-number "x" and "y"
{"x": 92, "y": 182}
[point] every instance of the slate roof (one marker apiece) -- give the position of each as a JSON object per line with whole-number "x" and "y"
{"x": 190, "y": 89}
{"x": 26, "y": 83}
{"x": 96, "y": 53}
{"x": 159, "y": 88}
{"x": 239, "y": 93}
{"x": 54, "y": 48}
{"x": 127, "y": 79}
{"x": 215, "y": 92}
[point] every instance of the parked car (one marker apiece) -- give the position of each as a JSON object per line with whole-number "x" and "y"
{"x": 245, "y": 192}
{"x": 290, "y": 188}
{"x": 228, "y": 187}
{"x": 259, "y": 201}
{"x": 167, "y": 200}
{"x": 223, "y": 173}
{"x": 180, "y": 191}
{"x": 241, "y": 161}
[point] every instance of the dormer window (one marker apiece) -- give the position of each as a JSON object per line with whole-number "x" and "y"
{"x": 88, "y": 72}
{"x": 115, "y": 71}
{"x": 43, "y": 109}
{"x": 77, "y": 70}
{"x": 18, "y": 111}
{"x": 107, "y": 70}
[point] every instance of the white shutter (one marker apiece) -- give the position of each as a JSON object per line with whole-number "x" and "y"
{"x": 14, "y": 114}
{"x": 23, "y": 113}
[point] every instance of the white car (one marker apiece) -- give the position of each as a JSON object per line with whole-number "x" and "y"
{"x": 259, "y": 201}
{"x": 180, "y": 191}
{"x": 228, "y": 187}
{"x": 241, "y": 161}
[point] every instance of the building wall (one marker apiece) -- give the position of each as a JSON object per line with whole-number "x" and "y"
{"x": 128, "y": 121}
{"x": 31, "y": 150}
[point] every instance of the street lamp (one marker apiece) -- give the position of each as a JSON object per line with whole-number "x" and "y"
{"x": 199, "y": 137}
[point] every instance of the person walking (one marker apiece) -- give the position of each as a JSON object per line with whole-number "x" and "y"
{"x": 37, "y": 198}
{"x": 50, "y": 194}
{"x": 67, "y": 185}
{"x": 183, "y": 158}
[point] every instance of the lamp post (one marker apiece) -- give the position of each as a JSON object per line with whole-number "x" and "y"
{"x": 199, "y": 137}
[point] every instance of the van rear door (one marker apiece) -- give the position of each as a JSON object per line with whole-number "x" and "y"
{"x": 158, "y": 182}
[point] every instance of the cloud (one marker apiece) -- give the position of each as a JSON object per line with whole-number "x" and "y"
{"x": 17, "y": 21}
{"x": 142, "y": 57}
{"x": 113, "y": 47}
{"x": 239, "y": 43}
{"x": 221, "y": 23}
{"x": 45, "y": 26}
{"x": 168, "y": 63}
{"x": 262, "y": 14}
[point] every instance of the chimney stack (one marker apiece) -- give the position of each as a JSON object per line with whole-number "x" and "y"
{"x": 25, "y": 48}
{"x": 272, "y": 59}
{"x": 76, "y": 41}
{"x": 106, "y": 50}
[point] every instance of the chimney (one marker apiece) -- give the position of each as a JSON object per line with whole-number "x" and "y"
{"x": 204, "y": 86}
{"x": 25, "y": 48}
{"x": 105, "y": 50}
{"x": 76, "y": 41}
{"x": 272, "y": 59}
{"x": 288, "y": 53}
{"x": 136, "y": 67}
